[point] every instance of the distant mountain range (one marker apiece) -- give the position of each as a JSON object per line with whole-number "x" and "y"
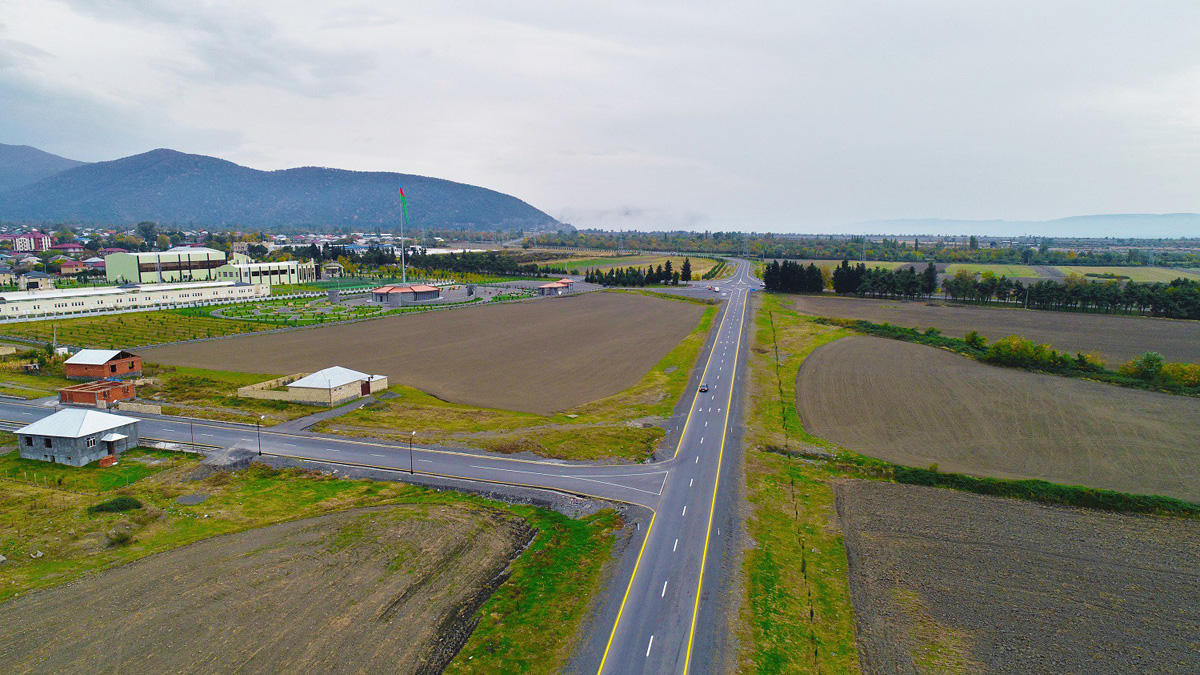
{"x": 174, "y": 188}
{"x": 1121, "y": 225}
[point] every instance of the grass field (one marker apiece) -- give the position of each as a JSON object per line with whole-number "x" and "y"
{"x": 951, "y": 582}
{"x": 211, "y": 394}
{"x": 598, "y": 429}
{"x": 27, "y": 386}
{"x": 132, "y": 329}
{"x": 135, "y": 465}
{"x": 441, "y": 548}
{"x": 916, "y": 405}
{"x": 796, "y": 612}
{"x": 539, "y": 357}
{"x": 1163, "y": 274}
{"x": 1115, "y": 338}
{"x": 1010, "y": 271}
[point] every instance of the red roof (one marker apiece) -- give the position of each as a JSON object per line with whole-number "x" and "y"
{"x": 418, "y": 288}
{"x": 554, "y": 284}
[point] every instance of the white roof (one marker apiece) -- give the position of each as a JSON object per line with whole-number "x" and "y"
{"x": 93, "y": 357}
{"x": 75, "y": 423}
{"x": 329, "y": 378}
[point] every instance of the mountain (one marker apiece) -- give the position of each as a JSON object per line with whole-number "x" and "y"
{"x": 21, "y": 165}
{"x": 1139, "y": 225}
{"x": 174, "y": 188}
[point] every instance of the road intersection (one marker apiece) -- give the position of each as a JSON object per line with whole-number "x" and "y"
{"x": 655, "y": 624}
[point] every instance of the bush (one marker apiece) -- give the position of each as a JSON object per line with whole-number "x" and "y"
{"x": 1048, "y": 493}
{"x": 1147, "y": 366}
{"x": 115, "y": 505}
{"x": 119, "y": 537}
{"x": 974, "y": 339}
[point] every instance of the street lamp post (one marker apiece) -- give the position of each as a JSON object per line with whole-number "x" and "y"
{"x": 192, "y": 431}
{"x": 410, "y": 452}
{"x": 258, "y": 429}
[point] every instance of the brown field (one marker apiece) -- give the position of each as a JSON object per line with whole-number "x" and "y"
{"x": 387, "y": 589}
{"x": 916, "y": 405}
{"x": 540, "y": 356}
{"x": 1115, "y": 338}
{"x": 944, "y": 581}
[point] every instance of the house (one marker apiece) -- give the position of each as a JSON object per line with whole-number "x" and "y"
{"x": 394, "y": 296}
{"x": 94, "y": 364}
{"x": 94, "y": 263}
{"x": 331, "y": 386}
{"x": 68, "y": 247}
{"x": 7, "y": 278}
{"x": 331, "y": 270}
{"x": 72, "y": 267}
{"x": 32, "y": 241}
{"x": 97, "y": 393}
{"x": 77, "y": 437}
{"x": 110, "y": 251}
{"x": 35, "y": 281}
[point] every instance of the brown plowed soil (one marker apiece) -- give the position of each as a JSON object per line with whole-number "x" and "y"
{"x": 377, "y": 590}
{"x": 539, "y": 356}
{"x": 1115, "y": 338}
{"x": 944, "y": 581}
{"x": 916, "y": 405}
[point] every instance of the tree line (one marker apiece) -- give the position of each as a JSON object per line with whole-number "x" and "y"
{"x": 663, "y": 275}
{"x": 1041, "y": 251}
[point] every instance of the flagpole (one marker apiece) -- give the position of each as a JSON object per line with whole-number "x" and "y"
{"x": 403, "y": 246}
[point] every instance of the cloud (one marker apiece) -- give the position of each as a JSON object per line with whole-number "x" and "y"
{"x": 766, "y": 115}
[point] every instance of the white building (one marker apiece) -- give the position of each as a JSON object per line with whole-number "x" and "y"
{"x": 28, "y": 304}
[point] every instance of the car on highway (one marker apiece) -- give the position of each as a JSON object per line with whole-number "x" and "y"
{"x": 704, "y": 387}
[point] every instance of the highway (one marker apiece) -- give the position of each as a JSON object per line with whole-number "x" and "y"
{"x": 656, "y": 622}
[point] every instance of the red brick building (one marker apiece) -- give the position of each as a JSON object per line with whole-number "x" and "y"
{"x": 101, "y": 393}
{"x": 95, "y": 364}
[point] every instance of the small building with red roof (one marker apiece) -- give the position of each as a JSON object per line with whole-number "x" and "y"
{"x": 394, "y": 296}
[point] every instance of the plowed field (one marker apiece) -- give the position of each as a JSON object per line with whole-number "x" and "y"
{"x": 944, "y": 581}
{"x": 1116, "y": 338}
{"x": 540, "y": 356}
{"x": 916, "y": 405}
{"x": 392, "y": 589}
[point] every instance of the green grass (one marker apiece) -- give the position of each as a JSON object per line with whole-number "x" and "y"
{"x": 595, "y": 430}
{"x": 211, "y": 394}
{"x": 529, "y": 624}
{"x": 1140, "y": 274}
{"x": 796, "y": 615}
{"x": 131, "y": 329}
{"x": 996, "y": 269}
{"x": 90, "y": 478}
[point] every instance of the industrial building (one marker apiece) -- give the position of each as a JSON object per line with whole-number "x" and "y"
{"x": 98, "y": 393}
{"x": 177, "y": 264}
{"x": 395, "y": 296}
{"x": 95, "y": 364}
{"x": 331, "y": 386}
{"x": 203, "y": 264}
{"x": 77, "y": 437}
{"x": 270, "y": 273}
{"x": 33, "y": 304}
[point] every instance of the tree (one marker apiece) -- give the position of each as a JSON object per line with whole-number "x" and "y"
{"x": 163, "y": 242}
{"x": 685, "y": 272}
{"x": 973, "y": 244}
{"x": 147, "y": 231}
{"x": 929, "y": 280}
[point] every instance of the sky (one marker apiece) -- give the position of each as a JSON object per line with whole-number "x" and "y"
{"x": 805, "y": 115}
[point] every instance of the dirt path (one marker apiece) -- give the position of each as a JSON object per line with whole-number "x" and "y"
{"x": 944, "y": 581}
{"x": 389, "y": 589}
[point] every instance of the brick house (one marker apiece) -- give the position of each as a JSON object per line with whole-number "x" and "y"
{"x": 95, "y": 364}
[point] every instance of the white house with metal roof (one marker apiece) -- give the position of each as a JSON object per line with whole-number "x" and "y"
{"x": 77, "y": 436}
{"x": 331, "y": 386}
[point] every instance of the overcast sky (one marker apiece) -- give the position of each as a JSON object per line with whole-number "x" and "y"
{"x": 796, "y": 116}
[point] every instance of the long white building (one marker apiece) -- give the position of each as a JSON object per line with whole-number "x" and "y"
{"x": 56, "y": 302}
{"x": 184, "y": 263}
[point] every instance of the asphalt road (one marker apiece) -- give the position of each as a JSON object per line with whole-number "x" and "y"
{"x": 656, "y": 621}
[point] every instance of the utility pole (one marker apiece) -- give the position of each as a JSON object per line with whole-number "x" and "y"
{"x": 403, "y": 246}
{"x": 410, "y": 452}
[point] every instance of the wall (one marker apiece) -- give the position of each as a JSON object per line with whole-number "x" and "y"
{"x": 115, "y": 299}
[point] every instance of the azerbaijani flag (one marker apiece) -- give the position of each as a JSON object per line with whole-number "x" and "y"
{"x": 403, "y": 203}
